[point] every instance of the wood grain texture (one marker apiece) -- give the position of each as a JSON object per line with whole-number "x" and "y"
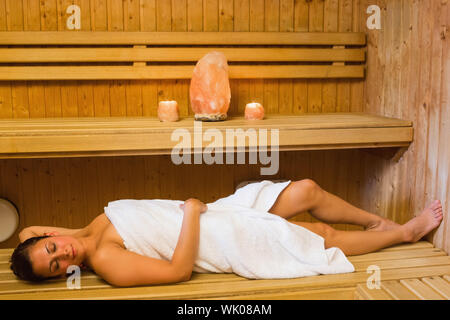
{"x": 407, "y": 77}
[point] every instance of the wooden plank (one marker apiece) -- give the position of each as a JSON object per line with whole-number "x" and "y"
{"x": 180, "y": 38}
{"x": 421, "y": 290}
{"x": 175, "y": 72}
{"x": 403, "y": 263}
{"x": 115, "y": 138}
{"x": 409, "y": 246}
{"x": 220, "y": 289}
{"x": 326, "y": 294}
{"x": 141, "y": 53}
{"x": 307, "y": 121}
{"x": 406, "y": 254}
{"x": 397, "y": 290}
{"x": 372, "y": 294}
{"x": 439, "y": 285}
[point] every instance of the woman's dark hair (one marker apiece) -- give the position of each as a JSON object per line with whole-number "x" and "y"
{"x": 21, "y": 263}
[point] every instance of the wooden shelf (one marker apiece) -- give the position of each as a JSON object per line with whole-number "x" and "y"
{"x": 73, "y": 137}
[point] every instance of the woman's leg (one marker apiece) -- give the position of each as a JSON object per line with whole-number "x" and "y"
{"x": 361, "y": 242}
{"x": 306, "y": 195}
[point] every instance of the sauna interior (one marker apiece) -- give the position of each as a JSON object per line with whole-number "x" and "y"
{"x": 406, "y": 69}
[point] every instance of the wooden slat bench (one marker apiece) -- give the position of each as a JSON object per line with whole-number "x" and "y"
{"x": 63, "y": 55}
{"x": 130, "y": 136}
{"x": 397, "y": 264}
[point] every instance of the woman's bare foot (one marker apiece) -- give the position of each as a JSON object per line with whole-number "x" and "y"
{"x": 419, "y": 226}
{"x": 382, "y": 224}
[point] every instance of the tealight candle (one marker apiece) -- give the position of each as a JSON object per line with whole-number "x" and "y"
{"x": 168, "y": 111}
{"x": 254, "y": 111}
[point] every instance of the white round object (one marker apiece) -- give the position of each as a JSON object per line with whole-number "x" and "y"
{"x": 9, "y": 220}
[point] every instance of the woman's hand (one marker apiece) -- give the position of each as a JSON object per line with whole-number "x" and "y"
{"x": 195, "y": 204}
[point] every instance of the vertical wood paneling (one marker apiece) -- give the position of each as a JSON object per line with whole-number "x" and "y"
{"x": 410, "y": 53}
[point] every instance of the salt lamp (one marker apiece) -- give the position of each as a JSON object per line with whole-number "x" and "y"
{"x": 209, "y": 90}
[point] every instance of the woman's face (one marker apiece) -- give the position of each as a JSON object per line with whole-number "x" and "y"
{"x": 50, "y": 257}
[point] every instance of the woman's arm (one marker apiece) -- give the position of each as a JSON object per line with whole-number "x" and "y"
{"x": 38, "y": 231}
{"x": 187, "y": 245}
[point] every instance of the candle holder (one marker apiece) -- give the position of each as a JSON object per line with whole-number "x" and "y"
{"x": 168, "y": 111}
{"x": 254, "y": 111}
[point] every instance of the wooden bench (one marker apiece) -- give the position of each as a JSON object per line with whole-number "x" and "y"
{"x": 399, "y": 264}
{"x": 34, "y": 56}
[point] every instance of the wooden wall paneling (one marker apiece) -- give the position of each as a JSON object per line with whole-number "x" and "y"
{"x": 99, "y": 22}
{"x": 133, "y": 89}
{"x": 343, "y": 85}
{"x": 386, "y": 186}
{"x": 51, "y": 89}
{"x": 150, "y": 87}
{"x": 286, "y": 85}
{"x": 31, "y": 15}
{"x": 409, "y": 69}
{"x": 6, "y": 110}
{"x": 59, "y": 188}
{"x": 422, "y": 116}
{"x": 357, "y": 86}
{"x": 256, "y": 90}
{"x": 19, "y": 94}
{"x": 272, "y": 23}
{"x": 180, "y": 87}
{"x": 14, "y": 15}
{"x": 69, "y": 89}
{"x": 316, "y": 24}
{"x": 316, "y": 9}
{"x": 164, "y": 23}
{"x": 28, "y": 208}
{"x": 442, "y": 236}
{"x": 3, "y": 24}
{"x": 99, "y": 15}
{"x": 437, "y": 166}
{"x": 36, "y": 89}
{"x": 117, "y": 88}
{"x": 105, "y": 173}
{"x": 331, "y": 23}
{"x": 77, "y": 205}
{"x": 5, "y": 87}
{"x": 136, "y": 177}
{"x": 300, "y": 86}
{"x": 401, "y": 36}
{"x": 85, "y": 89}
{"x": 242, "y": 23}
{"x": 211, "y": 15}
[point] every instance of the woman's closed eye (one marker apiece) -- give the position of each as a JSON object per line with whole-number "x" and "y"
{"x": 54, "y": 265}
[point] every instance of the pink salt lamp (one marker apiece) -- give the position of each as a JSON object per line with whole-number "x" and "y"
{"x": 168, "y": 111}
{"x": 209, "y": 91}
{"x": 254, "y": 111}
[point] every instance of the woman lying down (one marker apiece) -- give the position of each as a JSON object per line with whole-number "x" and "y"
{"x": 145, "y": 242}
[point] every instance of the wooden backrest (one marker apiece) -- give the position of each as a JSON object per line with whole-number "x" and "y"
{"x": 172, "y": 55}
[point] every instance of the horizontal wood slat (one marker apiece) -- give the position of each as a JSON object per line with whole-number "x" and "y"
{"x": 173, "y": 72}
{"x": 110, "y": 57}
{"x": 27, "y": 55}
{"x": 180, "y": 38}
{"x": 394, "y": 269}
{"x": 113, "y": 136}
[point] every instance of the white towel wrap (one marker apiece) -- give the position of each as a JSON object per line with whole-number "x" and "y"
{"x": 237, "y": 235}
